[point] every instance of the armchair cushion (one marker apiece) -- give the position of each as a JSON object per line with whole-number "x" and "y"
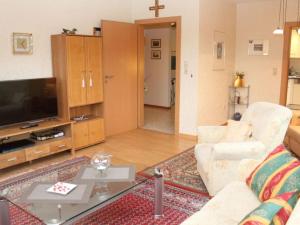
{"x": 278, "y": 173}
{"x": 276, "y": 210}
{"x": 237, "y": 131}
{"x": 239, "y": 150}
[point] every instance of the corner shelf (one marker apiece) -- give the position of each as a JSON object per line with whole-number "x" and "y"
{"x": 243, "y": 93}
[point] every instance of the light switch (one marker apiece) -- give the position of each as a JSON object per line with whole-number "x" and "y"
{"x": 186, "y": 67}
{"x": 275, "y": 71}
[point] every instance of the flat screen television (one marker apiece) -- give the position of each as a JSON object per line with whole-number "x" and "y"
{"x": 27, "y": 100}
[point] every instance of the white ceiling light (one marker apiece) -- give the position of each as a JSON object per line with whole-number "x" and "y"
{"x": 282, "y": 7}
{"x": 278, "y": 31}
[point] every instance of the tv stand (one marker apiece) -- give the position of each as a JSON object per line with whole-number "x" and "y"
{"x": 15, "y": 145}
{"x": 38, "y": 149}
{"x": 29, "y": 125}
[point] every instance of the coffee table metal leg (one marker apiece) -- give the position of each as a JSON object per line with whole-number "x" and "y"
{"x": 4, "y": 212}
{"x": 159, "y": 188}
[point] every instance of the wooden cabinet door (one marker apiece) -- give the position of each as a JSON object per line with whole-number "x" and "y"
{"x": 80, "y": 134}
{"x": 76, "y": 70}
{"x": 93, "y": 48}
{"x": 96, "y": 131}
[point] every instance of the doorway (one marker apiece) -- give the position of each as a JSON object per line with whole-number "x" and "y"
{"x": 124, "y": 87}
{"x": 160, "y": 77}
{"x": 159, "y": 42}
{"x": 290, "y": 81}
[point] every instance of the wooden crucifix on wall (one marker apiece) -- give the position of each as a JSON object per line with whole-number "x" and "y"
{"x": 156, "y": 7}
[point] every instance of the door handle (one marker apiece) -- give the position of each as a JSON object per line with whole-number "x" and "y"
{"x": 12, "y": 159}
{"x": 91, "y": 80}
{"x": 109, "y": 77}
{"x": 83, "y": 80}
{"x": 83, "y": 83}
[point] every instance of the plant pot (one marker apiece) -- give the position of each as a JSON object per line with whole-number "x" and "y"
{"x": 239, "y": 82}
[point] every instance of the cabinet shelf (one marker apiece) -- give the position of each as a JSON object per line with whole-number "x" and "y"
{"x": 16, "y": 131}
{"x": 40, "y": 148}
{"x": 238, "y": 94}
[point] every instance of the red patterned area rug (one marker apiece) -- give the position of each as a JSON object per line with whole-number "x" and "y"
{"x": 184, "y": 194}
{"x": 181, "y": 171}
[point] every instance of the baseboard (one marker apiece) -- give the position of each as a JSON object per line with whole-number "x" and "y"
{"x": 189, "y": 136}
{"x": 157, "y": 106}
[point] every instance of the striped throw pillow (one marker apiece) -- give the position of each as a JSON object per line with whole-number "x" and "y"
{"x": 278, "y": 173}
{"x": 275, "y": 211}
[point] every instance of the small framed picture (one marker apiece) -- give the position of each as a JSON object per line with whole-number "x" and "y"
{"x": 155, "y": 43}
{"x": 22, "y": 43}
{"x": 219, "y": 51}
{"x": 258, "y": 47}
{"x": 155, "y": 54}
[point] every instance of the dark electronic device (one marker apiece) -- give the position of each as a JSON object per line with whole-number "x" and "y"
{"x": 14, "y": 145}
{"x": 27, "y": 100}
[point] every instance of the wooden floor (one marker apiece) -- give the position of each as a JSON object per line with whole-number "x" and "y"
{"x": 140, "y": 147}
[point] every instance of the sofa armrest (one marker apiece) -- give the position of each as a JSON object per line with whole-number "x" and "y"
{"x": 239, "y": 150}
{"x": 211, "y": 134}
{"x": 246, "y": 167}
{"x": 295, "y": 216}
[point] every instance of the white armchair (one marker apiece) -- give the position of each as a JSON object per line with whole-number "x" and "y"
{"x": 218, "y": 162}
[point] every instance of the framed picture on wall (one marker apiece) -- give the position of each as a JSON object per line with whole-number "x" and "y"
{"x": 155, "y": 43}
{"x": 219, "y": 51}
{"x": 155, "y": 54}
{"x": 258, "y": 47}
{"x": 22, "y": 43}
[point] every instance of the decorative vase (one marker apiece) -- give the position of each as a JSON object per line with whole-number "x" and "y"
{"x": 239, "y": 81}
{"x": 101, "y": 162}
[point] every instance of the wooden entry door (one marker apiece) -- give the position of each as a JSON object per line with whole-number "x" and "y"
{"x": 120, "y": 76}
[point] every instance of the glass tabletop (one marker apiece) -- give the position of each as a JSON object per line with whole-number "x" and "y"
{"x": 30, "y": 194}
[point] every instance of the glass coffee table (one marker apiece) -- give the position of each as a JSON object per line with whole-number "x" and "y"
{"x": 90, "y": 195}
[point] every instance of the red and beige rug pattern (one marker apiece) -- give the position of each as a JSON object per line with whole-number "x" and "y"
{"x": 184, "y": 194}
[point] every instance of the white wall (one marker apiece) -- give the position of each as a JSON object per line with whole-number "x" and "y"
{"x": 157, "y": 71}
{"x": 257, "y": 20}
{"x": 215, "y": 15}
{"x": 189, "y": 11}
{"x": 43, "y": 18}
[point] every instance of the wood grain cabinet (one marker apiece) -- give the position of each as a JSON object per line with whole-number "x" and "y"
{"x": 77, "y": 66}
{"x": 84, "y": 70}
{"x": 88, "y": 132}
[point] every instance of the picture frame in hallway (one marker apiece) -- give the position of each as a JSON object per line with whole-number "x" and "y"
{"x": 155, "y": 54}
{"x": 219, "y": 51}
{"x": 155, "y": 43}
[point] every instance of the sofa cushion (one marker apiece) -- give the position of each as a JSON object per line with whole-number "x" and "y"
{"x": 227, "y": 207}
{"x": 278, "y": 173}
{"x": 276, "y": 210}
{"x": 237, "y": 131}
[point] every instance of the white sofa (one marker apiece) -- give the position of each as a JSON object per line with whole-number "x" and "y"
{"x": 218, "y": 162}
{"x": 233, "y": 203}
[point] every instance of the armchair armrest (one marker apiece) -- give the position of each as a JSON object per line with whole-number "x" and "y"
{"x": 295, "y": 216}
{"x": 211, "y": 134}
{"x": 239, "y": 150}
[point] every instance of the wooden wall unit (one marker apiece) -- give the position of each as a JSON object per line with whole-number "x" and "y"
{"x": 40, "y": 148}
{"x": 77, "y": 65}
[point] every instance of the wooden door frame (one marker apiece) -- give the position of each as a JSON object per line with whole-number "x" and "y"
{"x": 286, "y": 60}
{"x": 141, "y": 61}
